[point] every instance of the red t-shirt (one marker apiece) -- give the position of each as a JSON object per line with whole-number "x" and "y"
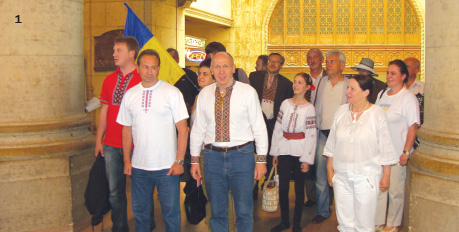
{"x": 113, "y": 89}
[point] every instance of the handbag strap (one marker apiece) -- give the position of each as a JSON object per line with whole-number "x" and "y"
{"x": 317, "y": 91}
{"x": 381, "y": 94}
{"x": 270, "y": 175}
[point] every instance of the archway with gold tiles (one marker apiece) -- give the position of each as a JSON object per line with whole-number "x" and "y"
{"x": 382, "y": 30}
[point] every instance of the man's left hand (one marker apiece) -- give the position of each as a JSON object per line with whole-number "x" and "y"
{"x": 404, "y": 159}
{"x": 175, "y": 170}
{"x": 260, "y": 170}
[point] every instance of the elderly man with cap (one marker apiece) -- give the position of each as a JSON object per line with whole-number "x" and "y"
{"x": 366, "y": 68}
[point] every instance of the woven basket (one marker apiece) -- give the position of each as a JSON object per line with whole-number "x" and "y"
{"x": 271, "y": 195}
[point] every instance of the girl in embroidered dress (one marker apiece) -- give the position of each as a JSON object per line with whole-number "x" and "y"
{"x": 293, "y": 147}
{"x": 360, "y": 154}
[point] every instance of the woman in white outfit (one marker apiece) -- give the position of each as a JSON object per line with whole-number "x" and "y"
{"x": 360, "y": 154}
{"x": 293, "y": 148}
{"x": 402, "y": 112}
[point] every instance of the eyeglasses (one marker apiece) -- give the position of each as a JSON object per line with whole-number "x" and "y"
{"x": 225, "y": 67}
{"x": 275, "y": 61}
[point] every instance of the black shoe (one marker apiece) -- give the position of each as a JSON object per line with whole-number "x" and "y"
{"x": 296, "y": 229}
{"x": 255, "y": 192}
{"x": 280, "y": 227}
{"x": 318, "y": 219}
{"x": 309, "y": 204}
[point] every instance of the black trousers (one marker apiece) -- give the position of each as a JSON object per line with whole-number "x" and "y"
{"x": 286, "y": 166}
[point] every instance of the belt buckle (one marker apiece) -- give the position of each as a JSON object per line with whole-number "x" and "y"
{"x": 226, "y": 149}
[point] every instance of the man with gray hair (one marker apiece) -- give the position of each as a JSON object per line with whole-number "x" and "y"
{"x": 227, "y": 141}
{"x": 331, "y": 93}
{"x": 315, "y": 59}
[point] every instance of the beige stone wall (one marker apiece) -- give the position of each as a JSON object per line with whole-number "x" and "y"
{"x": 45, "y": 143}
{"x": 162, "y": 17}
{"x": 434, "y": 204}
{"x": 243, "y": 39}
{"x": 246, "y": 35}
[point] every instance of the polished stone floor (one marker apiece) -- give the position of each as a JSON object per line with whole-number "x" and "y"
{"x": 263, "y": 221}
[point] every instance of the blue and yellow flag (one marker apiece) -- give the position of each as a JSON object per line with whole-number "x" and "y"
{"x": 170, "y": 71}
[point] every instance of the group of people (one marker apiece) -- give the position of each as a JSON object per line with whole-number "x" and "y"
{"x": 356, "y": 132}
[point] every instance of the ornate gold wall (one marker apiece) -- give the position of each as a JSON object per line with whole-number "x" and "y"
{"x": 382, "y": 30}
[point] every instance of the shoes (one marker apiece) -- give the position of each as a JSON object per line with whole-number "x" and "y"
{"x": 379, "y": 228}
{"x": 280, "y": 227}
{"x": 309, "y": 203}
{"x": 318, "y": 219}
{"x": 296, "y": 228}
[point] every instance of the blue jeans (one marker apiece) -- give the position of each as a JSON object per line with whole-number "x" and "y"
{"x": 114, "y": 168}
{"x": 233, "y": 171}
{"x": 143, "y": 184}
{"x": 322, "y": 187}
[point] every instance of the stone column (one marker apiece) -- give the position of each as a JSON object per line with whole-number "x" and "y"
{"x": 434, "y": 201}
{"x": 45, "y": 146}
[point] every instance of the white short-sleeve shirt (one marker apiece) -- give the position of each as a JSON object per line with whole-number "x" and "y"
{"x": 152, "y": 113}
{"x": 402, "y": 111}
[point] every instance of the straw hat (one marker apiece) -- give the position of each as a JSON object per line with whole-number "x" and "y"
{"x": 366, "y": 64}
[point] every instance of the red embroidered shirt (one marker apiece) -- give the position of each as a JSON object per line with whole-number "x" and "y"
{"x": 114, "y": 87}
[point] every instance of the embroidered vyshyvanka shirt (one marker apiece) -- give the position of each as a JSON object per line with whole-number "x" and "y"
{"x": 295, "y": 119}
{"x": 361, "y": 146}
{"x": 245, "y": 120}
{"x": 267, "y": 102}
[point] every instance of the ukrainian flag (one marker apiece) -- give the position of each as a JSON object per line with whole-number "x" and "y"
{"x": 170, "y": 71}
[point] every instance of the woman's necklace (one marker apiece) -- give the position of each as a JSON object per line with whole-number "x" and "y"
{"x": 354, "y": 115}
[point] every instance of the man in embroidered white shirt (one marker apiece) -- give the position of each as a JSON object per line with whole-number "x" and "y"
{"x": 150, "y": 114}
{"x": 228, "y": 120}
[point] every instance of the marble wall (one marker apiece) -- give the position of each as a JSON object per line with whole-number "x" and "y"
{"x": 45, "y": 148}
{"x": 434, "y": 180}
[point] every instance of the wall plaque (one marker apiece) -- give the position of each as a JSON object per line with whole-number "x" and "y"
{"x": 103, "y": 50}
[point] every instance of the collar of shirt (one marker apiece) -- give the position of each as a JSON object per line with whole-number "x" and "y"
{"x": 320, "y": 75}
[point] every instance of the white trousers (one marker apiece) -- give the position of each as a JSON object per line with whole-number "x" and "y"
{"x": 396, "y": 196}
{"x": 355, "y": 196}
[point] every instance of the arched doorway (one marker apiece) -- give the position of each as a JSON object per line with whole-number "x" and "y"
{"x": 382, "y": 30}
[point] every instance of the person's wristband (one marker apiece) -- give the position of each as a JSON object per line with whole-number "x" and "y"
{"x": 194, "y": 159}
{"x": 260, "y": 159}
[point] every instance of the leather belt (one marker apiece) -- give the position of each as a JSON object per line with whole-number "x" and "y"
{"x": 298, "y": 135}
{"x": 225, "y": 149}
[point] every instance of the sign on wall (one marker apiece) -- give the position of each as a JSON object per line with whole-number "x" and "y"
{"x": 194, "y": 50}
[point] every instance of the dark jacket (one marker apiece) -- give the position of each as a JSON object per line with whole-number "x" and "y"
{"x": 97, "y": 191}
{"x": 188, "y": 85}
{"x": 284, "y": 91}
{"x": 377, "y": 87}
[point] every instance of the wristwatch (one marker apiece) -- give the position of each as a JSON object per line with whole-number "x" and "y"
{"x": 180, "y": 162}
{"x": 406, "y": 153}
